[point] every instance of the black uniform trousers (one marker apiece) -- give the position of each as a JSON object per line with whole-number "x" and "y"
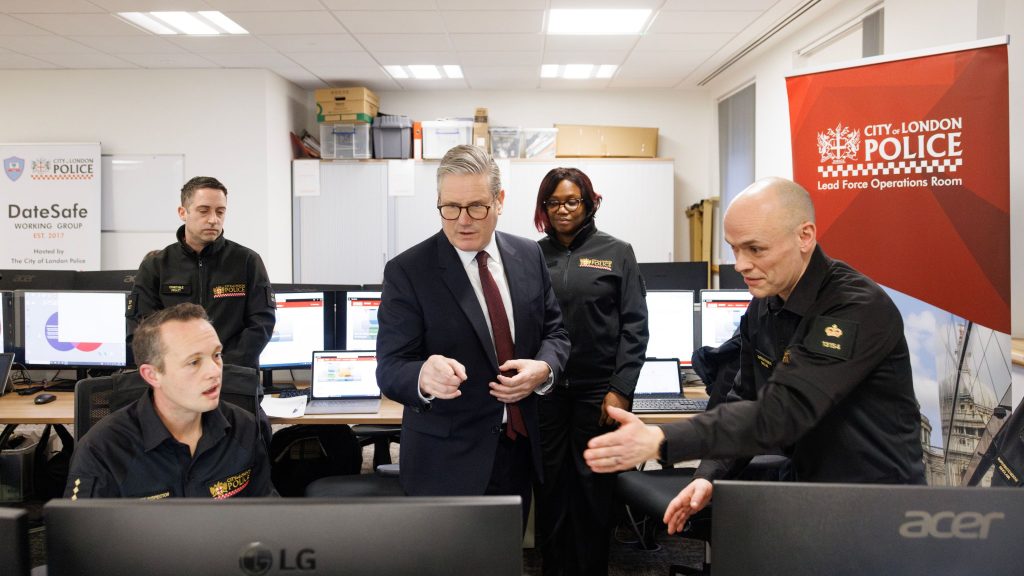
{"x": 574, "y": 505}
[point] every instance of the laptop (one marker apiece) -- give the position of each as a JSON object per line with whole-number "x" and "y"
{"x": 344, "y": 382}
{"x": 659, "y": 389}
{"x": 6, "y": 362}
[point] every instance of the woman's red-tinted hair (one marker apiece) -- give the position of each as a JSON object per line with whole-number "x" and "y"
{"x": 591, "y": 199}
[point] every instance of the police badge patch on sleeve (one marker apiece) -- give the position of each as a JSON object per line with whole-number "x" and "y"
{"x": 832, "y": 337}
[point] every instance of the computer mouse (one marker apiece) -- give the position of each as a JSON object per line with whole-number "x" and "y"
{"x": 44, "y": 398}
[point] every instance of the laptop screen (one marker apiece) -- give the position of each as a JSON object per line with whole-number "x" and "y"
{"x": 720, "y": 313}
{"x": 345, "y": 374}
{"x": 658, "y": 376}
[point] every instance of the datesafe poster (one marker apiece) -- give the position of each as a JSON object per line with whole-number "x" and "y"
{"x": 907, "y": 161}
{"x": 51, "y": 202}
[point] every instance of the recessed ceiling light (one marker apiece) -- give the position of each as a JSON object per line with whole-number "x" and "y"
{"x": 606, "y": 71}
{"x": 549, "y": 71}
{"x": 397, "y": 72}
{"x": 424, "y": 71}
{"x": 597, "y": 22}
{"x": 452, "y": 70}
{"x": 206, "y": 23}
{"x": 577, "y": 71}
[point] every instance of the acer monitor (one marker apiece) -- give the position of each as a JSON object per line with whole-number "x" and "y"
{"x": 37, "y": 279}
{"x": 729, "y": 278}
{"x": 70, "y": 329}
{"x": 449, "y": 536}
{"x": 120, "y": 280}
{"x": 855, "y": 529}
{"x": 671, "y": 326}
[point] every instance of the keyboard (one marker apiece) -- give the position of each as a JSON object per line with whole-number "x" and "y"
{"x": 293, "y": 392}
{"x": 685, "y": 405}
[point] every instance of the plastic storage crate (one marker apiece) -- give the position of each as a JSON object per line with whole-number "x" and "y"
{"x": 538, "y": 142}
{"x": 440, "y": 136}
{"x": 344, "y": 141}
{"x": 505, "y": 142}
{"x": 392, "y": 137}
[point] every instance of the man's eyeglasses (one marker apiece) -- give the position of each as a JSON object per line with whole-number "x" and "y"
{"x": 571, "y": 204}
{"x": 475, "y": 211}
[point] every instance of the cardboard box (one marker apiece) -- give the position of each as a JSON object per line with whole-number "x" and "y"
{"x": 481, "y": 136}
{"x": 345, "y": 119}
{"x": 341, "y": 94}
{"x": 576, "y": 140}
{"x": 346, "y": 107}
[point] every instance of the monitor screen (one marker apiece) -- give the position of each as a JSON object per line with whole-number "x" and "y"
{"x": 361, "y": 320}
{"x": 670, "y": 322}
{"x": 450, "y": 536}
{"x": 800, "y": 529}
{"x": 6, "y": 321}
{"x": 720, "y": 313}
{"x": 75, "y": 329}
{"x": 305, "y": 323}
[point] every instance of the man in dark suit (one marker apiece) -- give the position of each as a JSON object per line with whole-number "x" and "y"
{"x": 470, "y": 332}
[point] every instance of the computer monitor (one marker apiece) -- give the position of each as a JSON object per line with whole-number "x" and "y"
{"x": 720, "y": 313}
{"x": 675, "y": 275}
{"x": 359, "y": 314}
{"x": 14, "y": 551}
{"x": 6, "y": 321}
{"x": 671, "y": 326}
{"x": 729, "y": 278}
{"x": 855, "y": 529}
{"x": 451, "y": 536}
{"x": 71, "y": 329}
{"x": 121, "y": 280}
{"x": 305, "y": 323}
{"x": 37, "y": 279}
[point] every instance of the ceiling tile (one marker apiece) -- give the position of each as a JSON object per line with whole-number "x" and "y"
{"x": 182, "y": 60}
{"x": 379, "y": 4}
{"x": 20, "y": 62}
{"x": 220, "y": 44}
{"x": 649, "y": 82}
{"x": 433, "y": 85}
{"x": 501, "y": 83}
{"x": 339, "y": 73}
{"x": 43, "y": 45}
{"x": 83, "y": 24}
{"x": 500, "y": 58}
{"x": 497, "y": 42}
{"x": 701, "y": 22}
{"x": 587, "y": 43}
{"x": 322, "y": 60}
{"x": 605, "y": 4}
{"x": 260, "y": 60}
{"x": 520, "y": 72}
{"x": 724, "y": 5}
{"x": 404, "y": 58}
{"x": 87, "y": 61}
{"x": 12, "y": 27}
{"x": 300, "y": 76}
{"x": 505, "y": 21}
{"x": 263, "y": 5}
{"x": 672, "y": 42}
{"x": 491, "y": 4}
{"x": 563, "y": 84}
{"x": 404, "y": 42}
{"x": 587, "y": 57}
{"x": 48, "y": 7}
{"x": 311, "y": 42}
{"x": 319, "y": 22}
{"x": 390, "y": 22}
{"x": 653, "y": 64}
{"x": 151, "y": 5}
{"x": 129, "y": 44}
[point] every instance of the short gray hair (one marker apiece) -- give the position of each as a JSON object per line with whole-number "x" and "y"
{"x": 466, "y": 159}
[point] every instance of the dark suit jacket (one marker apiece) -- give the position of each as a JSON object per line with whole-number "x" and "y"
{"x": 429, "y": 307}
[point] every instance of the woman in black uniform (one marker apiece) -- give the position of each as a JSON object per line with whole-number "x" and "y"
{"x": 598, "y": 285}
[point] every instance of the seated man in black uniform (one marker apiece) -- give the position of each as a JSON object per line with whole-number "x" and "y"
{"x": 824, "y": 368}
{"x": 178, "y": 439}
{"x": 202, "y": 267}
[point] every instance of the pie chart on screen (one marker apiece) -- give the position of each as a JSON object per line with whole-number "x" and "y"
{"x": 52, "y": 332}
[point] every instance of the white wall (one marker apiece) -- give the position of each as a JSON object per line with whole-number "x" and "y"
{"x": 231, "y": 124}
{"x": 685, "y": 122}
{"x": 908, "y": 25}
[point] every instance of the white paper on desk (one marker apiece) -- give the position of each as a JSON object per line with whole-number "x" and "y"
{"x": 284, "y": 407}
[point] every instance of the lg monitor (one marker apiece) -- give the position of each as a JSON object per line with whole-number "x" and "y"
{"x": 14, "y": 550}
{"x": 671, "y": 326}
{"x": 305, "y": 323}
{"x": 450, "y": 536}
{"x": 720, "y": 313}
{"x": 120, "y": 280}
{"x": 675, "y": 275}
{"x": 360, "y": 320}
{"x": 6, "y": 321}
{"x": 37, "y": 279}
{"x": 71, "y": 329}
{"x": 801, "y": 529}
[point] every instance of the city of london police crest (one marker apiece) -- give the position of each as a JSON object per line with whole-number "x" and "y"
{"x": 838, "y": 144}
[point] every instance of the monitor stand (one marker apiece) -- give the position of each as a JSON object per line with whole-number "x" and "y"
{"x": 268, "y": 384}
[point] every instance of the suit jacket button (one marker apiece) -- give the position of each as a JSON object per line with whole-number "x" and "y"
{"x": 496, "y": 430}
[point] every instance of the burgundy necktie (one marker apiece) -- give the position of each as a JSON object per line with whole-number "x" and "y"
{"x": 503, "y": 346}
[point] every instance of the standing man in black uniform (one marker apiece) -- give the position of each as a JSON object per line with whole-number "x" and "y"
{"x": 202, "y": 267}
{"x": 824, "y": 363}
{"x": 597, "y": 282}
{"x": 178, "y": 439}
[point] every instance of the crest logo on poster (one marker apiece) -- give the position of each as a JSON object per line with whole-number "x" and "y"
{"x": 14, "y": 167}
{"x": 40, "y": 166}
{"x": 838, "y": 144}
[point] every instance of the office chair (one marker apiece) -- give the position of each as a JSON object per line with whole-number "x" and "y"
{"x": 92, "y": 402}
{"x": 381, "y": 436}
{"x": 383, "y": 482}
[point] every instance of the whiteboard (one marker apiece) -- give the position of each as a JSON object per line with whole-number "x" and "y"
{"x": 141, "y": 193}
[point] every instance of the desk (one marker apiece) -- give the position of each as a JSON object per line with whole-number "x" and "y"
{"x": 16, "y": 409}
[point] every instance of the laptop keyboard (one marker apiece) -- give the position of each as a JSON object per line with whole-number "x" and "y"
{"x": 345, "y": 406}
{"x": 689, "y": 405}
{"x": 293, "y": 393}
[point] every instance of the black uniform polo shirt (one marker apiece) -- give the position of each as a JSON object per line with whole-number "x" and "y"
{"x": 131, "y": 454}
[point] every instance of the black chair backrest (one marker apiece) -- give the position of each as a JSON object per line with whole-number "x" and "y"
{"x": 92, "y": 403}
